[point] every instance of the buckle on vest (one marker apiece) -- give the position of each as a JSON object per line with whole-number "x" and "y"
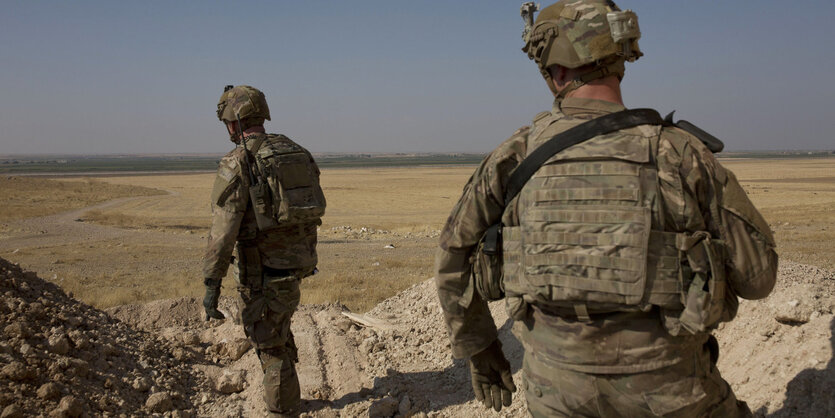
{"x": 582, "y": 312}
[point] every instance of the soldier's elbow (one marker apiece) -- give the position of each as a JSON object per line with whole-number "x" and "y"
{"x": 760, "y": 285}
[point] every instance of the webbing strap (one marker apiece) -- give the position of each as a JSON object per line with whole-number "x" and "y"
{"x": 580, "y": 133}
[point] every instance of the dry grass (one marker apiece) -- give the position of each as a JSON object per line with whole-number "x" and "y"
{"x": 161, "y": 257}
{"x": 25, "y": 197}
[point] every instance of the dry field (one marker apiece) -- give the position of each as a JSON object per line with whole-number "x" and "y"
{"x": 150, "y": 247}
{"x": 797, "y": 198}
{"x": 26, "y": 197}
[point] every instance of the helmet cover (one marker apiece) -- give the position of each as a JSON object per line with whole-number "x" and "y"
{"x": 242, "y": 102}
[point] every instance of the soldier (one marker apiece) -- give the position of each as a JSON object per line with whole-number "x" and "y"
{"x": 620, "y": 254}
{"x": 266, "y": 207}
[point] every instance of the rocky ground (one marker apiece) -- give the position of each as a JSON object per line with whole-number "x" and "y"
{"x": 59, "y": 357}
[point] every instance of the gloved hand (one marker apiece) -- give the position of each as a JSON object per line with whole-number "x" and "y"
{"x": 210, "y": 299}
{"x": 492, "y": 380}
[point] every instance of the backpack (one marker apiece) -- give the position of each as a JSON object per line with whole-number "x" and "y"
{"x": 285, "y": 189}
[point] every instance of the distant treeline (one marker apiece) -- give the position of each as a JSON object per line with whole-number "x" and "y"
{"x": 179, "y": 163}
{"x": 117, "y": 164}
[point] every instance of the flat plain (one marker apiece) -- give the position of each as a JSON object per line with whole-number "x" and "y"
{"x": 147, "y": 244}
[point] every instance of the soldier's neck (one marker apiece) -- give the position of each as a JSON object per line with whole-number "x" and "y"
{"x": 254, "y": 130}
{"x": 606, "y": 89}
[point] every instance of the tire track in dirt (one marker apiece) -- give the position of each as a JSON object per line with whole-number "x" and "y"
{"x": 65, "y": 228}
{"x": 313, "y": 375}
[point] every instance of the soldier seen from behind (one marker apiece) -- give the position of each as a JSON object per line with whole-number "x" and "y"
{"x": 266, "y": 207}
{"x": 618, "y": 246}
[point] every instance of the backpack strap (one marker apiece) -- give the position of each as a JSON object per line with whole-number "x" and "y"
{"x": 580, "y": 133}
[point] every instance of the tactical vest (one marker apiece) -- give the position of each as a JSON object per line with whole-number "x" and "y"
{"x": 585, "y": 241}
{"x": 287, "y": 189}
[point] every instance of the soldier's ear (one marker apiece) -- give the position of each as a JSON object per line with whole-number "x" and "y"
{"x": 559, "y": 75}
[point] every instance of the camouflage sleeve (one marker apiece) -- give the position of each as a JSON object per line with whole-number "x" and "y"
{"x": 229, "y": 202}
{"x": 752, "y": 259}
{"x": 470, "y": 326}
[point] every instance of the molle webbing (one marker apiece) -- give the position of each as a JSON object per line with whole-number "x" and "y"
{"x": 586, "y": 238}
{"x": 580, "y": 133}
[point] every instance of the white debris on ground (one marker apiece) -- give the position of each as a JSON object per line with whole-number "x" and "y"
{"x": 59, "y": 357}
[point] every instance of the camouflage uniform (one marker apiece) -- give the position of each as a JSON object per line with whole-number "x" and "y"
{"x": 616, "y": 362}
{"x": 268, "y": 268}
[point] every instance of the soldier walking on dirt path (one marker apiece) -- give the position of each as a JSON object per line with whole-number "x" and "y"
{"x": 266, "y": 207}
{"x": 618, "y": 242}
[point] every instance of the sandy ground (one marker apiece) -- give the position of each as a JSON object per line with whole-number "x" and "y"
{"x": 777, "y": 354}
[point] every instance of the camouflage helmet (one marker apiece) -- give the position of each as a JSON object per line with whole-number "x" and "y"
{"x": 242, "y": 102}
{"x": 577, "y": 33}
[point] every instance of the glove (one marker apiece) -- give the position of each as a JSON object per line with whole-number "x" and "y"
{"x": 492, "y": 380}
{"x": 210, "y": 299}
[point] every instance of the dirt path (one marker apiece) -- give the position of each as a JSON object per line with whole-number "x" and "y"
{"x": 66, "y": 228}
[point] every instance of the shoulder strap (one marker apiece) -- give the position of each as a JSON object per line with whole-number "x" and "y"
{"x": 714, "y": 144}
{"x": 580, "y": 133}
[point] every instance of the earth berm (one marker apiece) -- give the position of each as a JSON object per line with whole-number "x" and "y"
{"x": 62, "y": 358}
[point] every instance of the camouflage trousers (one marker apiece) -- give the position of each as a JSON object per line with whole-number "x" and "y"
{"x": 266, "y": 312}
{"x": 690, "y": 388}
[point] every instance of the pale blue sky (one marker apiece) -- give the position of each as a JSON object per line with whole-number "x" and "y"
{"x": 388, "y": 76}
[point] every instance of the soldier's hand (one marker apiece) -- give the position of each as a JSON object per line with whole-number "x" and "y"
{"x": 492, "y": 380}
{"x": 211, "y": 298}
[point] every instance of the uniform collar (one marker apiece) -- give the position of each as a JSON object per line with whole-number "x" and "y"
{"x": 572, "y": 106}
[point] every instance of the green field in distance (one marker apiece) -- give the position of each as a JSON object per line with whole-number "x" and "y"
{"x": 79, "y": 164}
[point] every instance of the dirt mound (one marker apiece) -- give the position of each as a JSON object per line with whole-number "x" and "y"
{"x": 60, "y": 357}
{"x": 392, "y": 361}
{"x": 777, "y": 353}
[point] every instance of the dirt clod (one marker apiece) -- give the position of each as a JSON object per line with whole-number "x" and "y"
{"x": 49, "y": 391}
{"x": 159, "y": 402}
{"x": 231, "y": 381}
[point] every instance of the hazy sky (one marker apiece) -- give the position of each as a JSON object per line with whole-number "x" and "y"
{"x": 100, "y": 77}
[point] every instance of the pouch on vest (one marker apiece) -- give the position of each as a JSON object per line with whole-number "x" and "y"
{"x": 488, "y": 264}
{"x": 705, "y": 300}
{"x": 298, "y": 195}
{"x": 259, "y": 196}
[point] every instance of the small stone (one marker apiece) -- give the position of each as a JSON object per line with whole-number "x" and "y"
{"x": 405, "y": 406}
{"x": 17, "y": 371}
{"x": 366, "y": 345}
{"x": 12, "y": 411}
{"x": 344, "y": 324}
{"x": 385, "y": 407}
{"x": 231, "y": 381}
{"x": 793, "y": 303}
{"x": 59, "y": 344}
{"x": 49, "y": 391}
{"x": 18, "y": 329}
{"x": 159, "y": 402}
{"x": 26, "y": 350}
{"x": 70, "y": 406}
{"x": 78, "y": 368}
{"x": 78, "y": 339}
{"x": 236, "y": 348}
{"x": 142, "y": 384}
